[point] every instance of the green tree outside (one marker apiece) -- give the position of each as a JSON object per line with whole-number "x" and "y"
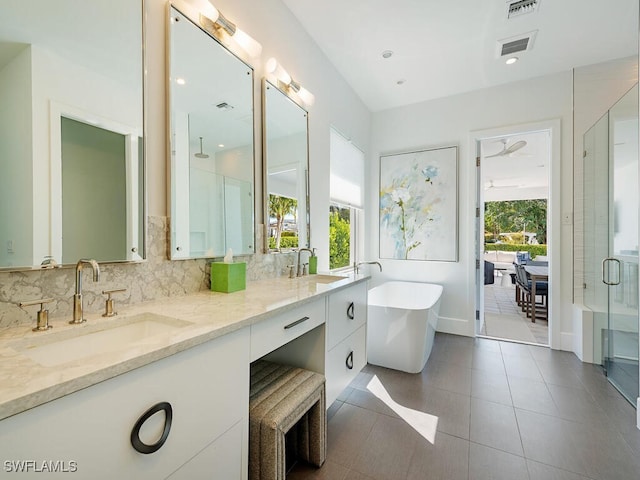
{"x": 517, "y": 216}
{"x": 279, "y": 207}
{"x": 339, "y": 237}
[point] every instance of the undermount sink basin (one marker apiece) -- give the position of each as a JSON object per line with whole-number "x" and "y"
{"x": 325, "y": 278}
{"x": 79, "y": 342}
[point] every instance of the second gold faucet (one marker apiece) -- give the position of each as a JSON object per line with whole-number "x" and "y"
{"x": 78, "y": 316}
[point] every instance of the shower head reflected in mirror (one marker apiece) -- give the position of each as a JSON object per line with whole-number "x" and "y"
{"x": 201, "y": 154}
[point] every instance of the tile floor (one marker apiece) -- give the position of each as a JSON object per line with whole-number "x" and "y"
{"x": 504, "y": 319}
{"x": 504, "y": 411}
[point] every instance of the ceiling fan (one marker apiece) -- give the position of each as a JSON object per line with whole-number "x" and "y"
{"x": 510, "y": 149}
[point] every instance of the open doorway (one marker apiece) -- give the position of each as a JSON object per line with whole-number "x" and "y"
{"x": 513, "y": 232}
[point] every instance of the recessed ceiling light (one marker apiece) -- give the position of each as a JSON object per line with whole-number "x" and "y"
{"x": 387, "y": 54}
{"x": 221, "y": 145}
{"x": 401, "y": 81}
{"x": 511, "y": 60}
{"x": 180, "y": 81}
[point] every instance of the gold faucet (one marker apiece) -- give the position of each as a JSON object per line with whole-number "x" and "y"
{"x": 78, "y": 316}
{"x": 300, "y": 269}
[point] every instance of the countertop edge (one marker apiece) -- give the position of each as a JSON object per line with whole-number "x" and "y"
{"x": 120, "y": 366}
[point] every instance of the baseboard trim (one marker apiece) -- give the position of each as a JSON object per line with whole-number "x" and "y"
{"x": 566, "y": 342}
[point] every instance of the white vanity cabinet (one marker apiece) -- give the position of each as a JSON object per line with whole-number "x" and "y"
{"x": 338, "y": 349}
{"x": 90, "y": 430}
{"x": 345, "y": 338}
{"x": 271, "y": 334}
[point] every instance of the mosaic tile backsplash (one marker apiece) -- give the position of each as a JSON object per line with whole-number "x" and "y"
{"x": 157, "y": 277}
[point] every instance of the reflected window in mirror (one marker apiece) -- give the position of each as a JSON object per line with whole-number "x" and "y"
{"x": 211, "y": 145}
{"x": 85, "y": 66}
{"x": 286, "y": 167}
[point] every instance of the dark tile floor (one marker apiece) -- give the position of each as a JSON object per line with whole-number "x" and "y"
{"x": 504, "y": 411}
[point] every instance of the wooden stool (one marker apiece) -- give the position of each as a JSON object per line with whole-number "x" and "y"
{"x": 280, "y": 397}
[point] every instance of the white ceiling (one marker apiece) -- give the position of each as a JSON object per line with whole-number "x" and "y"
{"x": 521, "y": 175}
{"x": 446, "y": 47}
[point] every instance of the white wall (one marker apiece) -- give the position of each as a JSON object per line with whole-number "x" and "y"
{"x": 281, "y": 36}
{"x": 450, "y": 121}
{"x": 232, "y": 163}
{"x": 596, "y": 88}
{"x": 59, "y": 85}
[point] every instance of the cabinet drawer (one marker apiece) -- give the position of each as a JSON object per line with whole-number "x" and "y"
{"x": 206, "y": 386}
{"x": 347, "y": 312}
{"x": 344, "y": 362}
{"x": 270, "y": 334}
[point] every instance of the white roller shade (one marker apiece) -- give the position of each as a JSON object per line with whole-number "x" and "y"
{"x": 347, "y": 171}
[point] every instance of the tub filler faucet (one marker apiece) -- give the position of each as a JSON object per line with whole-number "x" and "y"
{"x": 356, "y": 266}
{"x": 78, "y": 316}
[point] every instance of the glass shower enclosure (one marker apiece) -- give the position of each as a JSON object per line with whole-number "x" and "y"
{"x": 611, "y": 240}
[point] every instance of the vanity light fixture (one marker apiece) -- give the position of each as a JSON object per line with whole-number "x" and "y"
{"x": 275, "y": 69}
{"x": 218, "y": 25}
{"x": 511, "y": 60}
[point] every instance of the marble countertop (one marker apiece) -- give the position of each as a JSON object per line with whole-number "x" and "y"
{"x": 200, "y": 317}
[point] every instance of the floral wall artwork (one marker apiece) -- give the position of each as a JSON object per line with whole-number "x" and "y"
{"x": 419, "y": 205}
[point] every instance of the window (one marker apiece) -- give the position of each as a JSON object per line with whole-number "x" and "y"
{"x": 347, "y": 198}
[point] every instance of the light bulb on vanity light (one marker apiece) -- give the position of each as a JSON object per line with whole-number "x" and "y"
{"x": 274, "y": 68}
{"x": 306, "y": 96}
{"x": 212, "y": 20}
{"x": 251, "y": 46}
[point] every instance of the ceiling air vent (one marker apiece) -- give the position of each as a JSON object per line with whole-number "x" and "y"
{"x": 520, "y": 7}
{"x": 517, "y": 44}
{"x": 224, "y": 106}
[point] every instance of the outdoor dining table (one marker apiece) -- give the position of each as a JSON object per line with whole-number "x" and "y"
{"x": 537, "y": 273}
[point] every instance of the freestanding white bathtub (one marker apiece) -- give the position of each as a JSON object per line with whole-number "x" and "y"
{"x": 401, "y": 324}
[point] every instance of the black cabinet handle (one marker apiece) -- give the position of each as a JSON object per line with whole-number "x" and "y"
{"x": 138, "y": 444}
{"x": 293, "y": 324}
{"x": 351, "y": 311}
{"x": 349, "y": 361}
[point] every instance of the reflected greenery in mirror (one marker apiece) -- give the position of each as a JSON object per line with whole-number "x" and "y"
{"x": 211, "y": 145}
{"x": 286, "y": 167}
{"x": 71, "y": 91}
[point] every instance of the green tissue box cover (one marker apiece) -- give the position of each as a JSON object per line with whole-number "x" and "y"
{"x": 228, "y": 277}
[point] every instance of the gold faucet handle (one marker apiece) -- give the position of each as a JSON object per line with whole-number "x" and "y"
{"x": 42, "y": 321}
{"x": 109, "y": 307}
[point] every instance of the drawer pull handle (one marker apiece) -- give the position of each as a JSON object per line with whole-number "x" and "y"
{"x": 138, "y": 444}
{"x": 351, "y": 311}
{"x": 349, "y": 361}
{"x": 293, "y": 324}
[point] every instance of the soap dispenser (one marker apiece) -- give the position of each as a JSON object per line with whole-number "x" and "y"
{"x": 313, "y": 262}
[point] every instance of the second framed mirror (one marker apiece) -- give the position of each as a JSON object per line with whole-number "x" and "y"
{"x": 211, "y": 144}
{"x": 286, "y": 170}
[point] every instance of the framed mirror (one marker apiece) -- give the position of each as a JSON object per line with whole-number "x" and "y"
{"x": 211, "y": 144}
{"x": 286, "y": 170}
{"x": 71, "y": 132}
